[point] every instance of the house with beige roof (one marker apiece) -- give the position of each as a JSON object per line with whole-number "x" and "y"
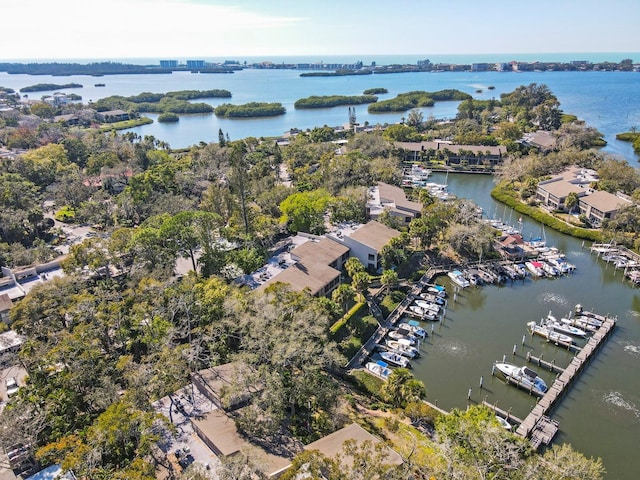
{"x": 392, "y": 199}
{"x": 454, "y": 154}
{"x": 600, "y": 205}
{"x": 365, "y": 242}
{"x": 553, "y": 193}
{"x": 314, "y": 265}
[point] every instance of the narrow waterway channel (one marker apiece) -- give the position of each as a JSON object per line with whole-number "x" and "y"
{"x": 600, "y": 415}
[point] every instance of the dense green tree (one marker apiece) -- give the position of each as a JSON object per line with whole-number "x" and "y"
{"x": 304, "y": 211}
{"x": 402, "y": 388}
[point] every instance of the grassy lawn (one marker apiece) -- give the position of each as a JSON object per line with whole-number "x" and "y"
{"x": 353, "y": 330}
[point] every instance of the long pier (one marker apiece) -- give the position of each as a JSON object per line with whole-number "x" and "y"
{"x": 537, "y": 426}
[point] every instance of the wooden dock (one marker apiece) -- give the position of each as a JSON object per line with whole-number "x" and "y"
{"x": 506, "y": 414}
{"x": 537, "y": 426}
{"x": 551, "y": 366}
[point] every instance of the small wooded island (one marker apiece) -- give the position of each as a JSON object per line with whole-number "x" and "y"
{"x": 333, "y": 101}
{"x": 45, "y": 87}
{"x": 251, "y": 109}
{"x": 174, "y": 102}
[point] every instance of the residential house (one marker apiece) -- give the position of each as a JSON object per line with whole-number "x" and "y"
{"x": 392, "y": 199}
{"x": 366, "y": 242}
{"x": 112, "y": 116}
{"x": 453, "y": 154}
{"x": 5, "y": 306}
{"x": 600, "y": 205}
{"x": 332, "y": 445}
{"x": 553, "y": 193}
{"x": 542, "y": 140}
{"x": 216, "y": 383}
{"x": 314, "y": 265}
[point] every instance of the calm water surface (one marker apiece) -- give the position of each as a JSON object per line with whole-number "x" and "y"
{"x": 600, "y": 416}
{"x": 606, "y": 100}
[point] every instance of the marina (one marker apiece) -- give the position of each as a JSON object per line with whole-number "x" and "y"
{"x": 537, "y": 426}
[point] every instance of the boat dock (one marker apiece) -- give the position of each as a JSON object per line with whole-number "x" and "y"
{"x": 537, "y": 426}
{"x": 551, "y": 366}
{"x": 506, "y": 414}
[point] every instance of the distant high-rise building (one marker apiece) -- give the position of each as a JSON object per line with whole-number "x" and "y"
{"x": 195, "y": 63}
{"x": 168, "y": 63}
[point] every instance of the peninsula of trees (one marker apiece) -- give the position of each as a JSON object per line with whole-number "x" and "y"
{"x": 409, "y": 100}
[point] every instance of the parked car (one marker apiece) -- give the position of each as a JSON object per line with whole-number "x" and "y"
{"x": 12, "y": 386}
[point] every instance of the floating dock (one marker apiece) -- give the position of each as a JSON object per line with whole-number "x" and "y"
{"x": 537, "y": 426}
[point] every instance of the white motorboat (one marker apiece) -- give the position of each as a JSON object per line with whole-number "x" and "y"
{"x": 422, "y": 313}
{"x": 549, "y": 269}
{"x": 379, "y": 369}
{"x": 395, "y": 359}
{"x": 431, "y": 298}
{"x": 403, "y": 347}
{"x": 404, "y": 333}
{"x": 438, "y": 290}
{"x": 563, "y": 327}
{"x": 549, "y": 333}
{"x": 525, "y": 377}
{"x": 503, "y": 423}
{"x": 430, "y": 307}
{"x": 415, "y": 328}
{"x": 521, "y": 269}
{"x": 457, "y": 278}
{"x": 535, "y": 268}
{"x": 579, "y": 322}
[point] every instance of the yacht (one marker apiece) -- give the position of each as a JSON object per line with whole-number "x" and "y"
{"x": 414, "y": 327}
{"x": 526, "y": 378}
{"x": 457, "y": 278}
{"x": 549, "y": 333}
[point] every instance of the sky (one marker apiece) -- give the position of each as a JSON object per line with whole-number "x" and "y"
{"x": 117, "y": 29}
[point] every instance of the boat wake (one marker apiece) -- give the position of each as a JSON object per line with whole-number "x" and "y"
{"x": 631, "y": 349}
{"x": 615, "y": 399}
{"x": 552, "y": 297}
{"x": 454, "y": 348}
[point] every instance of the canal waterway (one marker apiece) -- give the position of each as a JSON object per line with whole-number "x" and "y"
{"x": 600, "y": 415}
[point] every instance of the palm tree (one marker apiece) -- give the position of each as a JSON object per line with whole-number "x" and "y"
{"x": 571, "y": 201}
{"x": 402, "y": 388}
{"x": 342, "y": 295}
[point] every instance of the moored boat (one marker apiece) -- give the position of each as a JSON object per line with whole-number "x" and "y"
{"x": 524, "y": 376}
{"x": 535, "y": 268}
{"x": 403, "y": 333}
{"x": 403, "y": 347}
{"x": 457, "y": 278}
{"x": 428, "y": 306}
{"x": 379, "y": 369}
{"x": 549, "y": 333}
{"x": 395, "y": 359}
{"x": 432, "y": 298}
{"x": 422, "y": 313}
{"x": 563, "y": 327}
{"x": 414, "y": 327}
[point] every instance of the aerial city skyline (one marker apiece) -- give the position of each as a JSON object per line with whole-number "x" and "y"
{"x": 123, "y": 29}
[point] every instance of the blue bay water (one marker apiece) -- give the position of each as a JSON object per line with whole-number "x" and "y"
{"x": 607, "y": 101}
